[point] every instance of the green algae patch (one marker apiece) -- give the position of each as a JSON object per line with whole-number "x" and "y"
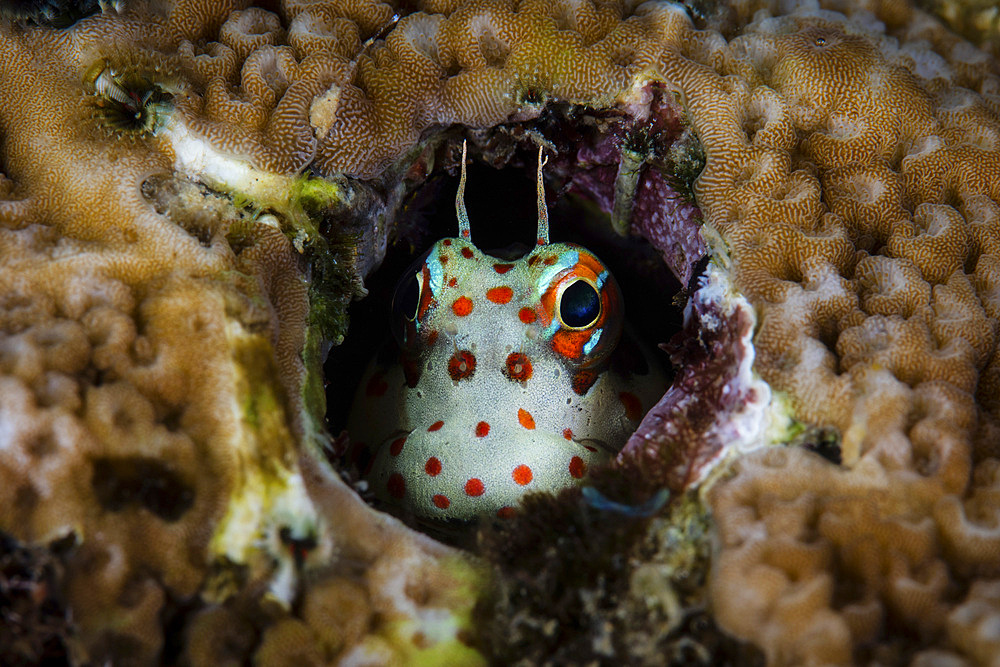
{"x": 268, "y": 504}
{"x": 441, "y": 634}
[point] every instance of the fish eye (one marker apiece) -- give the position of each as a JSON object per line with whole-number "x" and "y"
{"x": 579, "y": 304}
{"x": 406, "y": 299}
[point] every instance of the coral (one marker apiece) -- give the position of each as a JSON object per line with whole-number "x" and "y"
{"x": 154, "y": 347}
{"x": 170, "y": 286}
{"x": 852, "y": 178}
{"x": 36, "y": 626}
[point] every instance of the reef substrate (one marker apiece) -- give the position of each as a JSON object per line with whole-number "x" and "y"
{"x": 192, "y": 193}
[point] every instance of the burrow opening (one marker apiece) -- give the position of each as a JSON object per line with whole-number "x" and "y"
{"x": 502, "y": 209}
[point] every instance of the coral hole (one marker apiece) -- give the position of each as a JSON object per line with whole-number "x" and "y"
{"x": 503, "y": 212}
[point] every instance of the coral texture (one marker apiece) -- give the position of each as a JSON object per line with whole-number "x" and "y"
{"x": 165, "y": 291}
{"x": 152, "y": 342}
{"x": 851, "y": 167}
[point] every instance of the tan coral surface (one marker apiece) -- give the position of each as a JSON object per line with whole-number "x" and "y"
{"x": 853, "y": 171}
{"x": 152, "y": 330}
{"x": 151, "y": 368}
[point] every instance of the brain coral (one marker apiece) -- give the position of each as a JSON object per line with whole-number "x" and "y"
{"x": 192, "y": 191}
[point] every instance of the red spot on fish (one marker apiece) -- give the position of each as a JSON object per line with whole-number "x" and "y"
{"x": 465, "y": 233}
{"x": 632, "y": 404}
{"x": 527, "y": 315}
{"x": 462, "y": 306}
{"x": 506, "y": 512}
{"x": 436, "y": 426}
{"x": 432, "y": 337}
{"x": 397, "y": 446}
{"x": 443, "y": 259}
{"x": 411, "y": 372}
{"x": 369, "y": 463}
{"x": 482, "y": 430}
{"x": 355, "y": 451}
{"x": 474, "y": 487}
{"x": 583, "y": 381}
{"x": 461, "y": 365}
{"x": 441, "y": 502}
{"x": 570, "y": 344}
{"x": 577, "y": 468}
{"x": 502, "y": 268}
{"x": 568, "y": 433}
{"x": 447, "y": 241}
{"x": 522, "y": 475}
{"x": 518, "y": 367}
{"x": 467, "y": 253}
{"x": 376, "y": 386}
{"x": 540, "y": 241}
{"x": 550, "y": 260}
{"x": 433, "y": 466}
{"x": 500, "y": 294}
{"x": 527, "y": 421}
{"x": 453, "y": 281}
{"x": 396, "y": 485}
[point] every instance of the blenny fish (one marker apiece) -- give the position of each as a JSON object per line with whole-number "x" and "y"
{"x": 504, "y": 377}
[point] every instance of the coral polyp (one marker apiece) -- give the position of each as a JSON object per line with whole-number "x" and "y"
{"x": 124, "y": 102}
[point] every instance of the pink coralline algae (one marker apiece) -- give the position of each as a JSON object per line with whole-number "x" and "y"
{"x": 670, "y": 223}
{"x": 714, "y": 404}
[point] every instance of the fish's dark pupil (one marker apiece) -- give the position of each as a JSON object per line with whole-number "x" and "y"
{"x": 407, "y": 297}
{"x": 580, "y": 305}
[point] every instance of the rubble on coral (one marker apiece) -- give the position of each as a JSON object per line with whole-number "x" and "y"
{"x": 192, "y": 193}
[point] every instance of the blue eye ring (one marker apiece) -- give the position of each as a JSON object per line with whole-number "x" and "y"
{"x": 578, "y": 304}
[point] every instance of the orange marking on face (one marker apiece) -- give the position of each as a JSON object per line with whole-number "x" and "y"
{"x": 432, "y": 337}
{"x": 397, "y": 446}
{"x": 433, "y": 466}
{"x": 577, "y": 468}
{"x": 396, "y": 485}
{"x": 527, "y": 315}
{"x": 462, "y": 306}
{"x": 550, "y": 260}
{"x": 632, "y": 404}
{"x": 522, "y": 475}
{"x": 426, "y": 294}
{"x": 568, "y": 433}
{"x": 467, "y": 253}
{"x": 569, "y": 344}
{"x": 441, "y": 502}
{"x": 583, "y": 381}
{"x": 474, "y": 487}
{"x": 525, "y": 418}
{"x": 500, "y": 294}
{"x": 376, "y": 386}
{"x": 518, "y": 367}
{"x": 482, "y": 430}
{"x": 453, "y": 281}
{"x": 502, "y": 268}
{"x": 436, "y": 426}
